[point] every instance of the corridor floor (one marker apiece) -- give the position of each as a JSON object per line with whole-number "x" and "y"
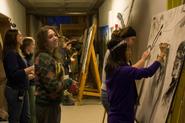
{"x": 91, "y": 111}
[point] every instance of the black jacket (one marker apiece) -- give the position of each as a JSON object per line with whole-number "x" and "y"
{"x": 14, "y": 66}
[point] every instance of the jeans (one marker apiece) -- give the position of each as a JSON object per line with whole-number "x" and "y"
{"x": 32, "y": 103}
{"x": 48, "y": 113}
{"x": 104, "y": 99}
{"x": 18, "y": 106}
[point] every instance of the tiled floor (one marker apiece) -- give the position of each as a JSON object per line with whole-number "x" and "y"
{"x": 91, "y": 111}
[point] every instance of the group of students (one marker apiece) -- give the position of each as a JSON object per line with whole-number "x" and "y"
{"x": 69, "y": 56}
{"x": 41, "y": 73}
{"x": 119, "y": 93}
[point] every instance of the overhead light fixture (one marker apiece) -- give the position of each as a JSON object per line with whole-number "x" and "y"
{"x": 76, "y": 13}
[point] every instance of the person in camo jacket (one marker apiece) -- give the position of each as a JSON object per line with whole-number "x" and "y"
{"x": 49, "y": 79}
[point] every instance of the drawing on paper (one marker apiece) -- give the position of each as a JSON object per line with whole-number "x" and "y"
{"x": 157, "y": 93}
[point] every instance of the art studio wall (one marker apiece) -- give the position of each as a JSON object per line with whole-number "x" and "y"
{"x": 157, "y": 92}
{"x": 107, "y": 20}
{"x": 141, "y": 15}
{"x": 34, "y": 25}
{"x": 16, "y": 11}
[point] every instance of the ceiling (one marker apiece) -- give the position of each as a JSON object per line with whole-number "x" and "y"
{"x": 61, "y": 7}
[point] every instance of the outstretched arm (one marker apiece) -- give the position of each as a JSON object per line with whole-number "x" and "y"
{"x": 141, "y": 62}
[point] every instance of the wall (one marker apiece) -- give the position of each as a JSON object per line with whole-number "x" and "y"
{"x": 143, "y": 10}
{"x": 104, "y": 12}
{"x": 108, "y": 12}
{"x": 158, "y": 91}
{"x": 16, "y": 11}
{"x": 34, "y": 25}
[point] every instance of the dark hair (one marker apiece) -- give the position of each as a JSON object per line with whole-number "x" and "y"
{"x": 127, "y": 32}
{"x": 121, "y": 34}
{"x": 26, "y": 43}
{"x": 118, "y": 55}
{"x": 42, "y": 38}
{"x": 10, "y": 40}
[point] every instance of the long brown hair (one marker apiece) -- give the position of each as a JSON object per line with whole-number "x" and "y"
{"x": 10, "y": 41}
{"x": 42, "y": 39}
{"x": 118, "y": 56}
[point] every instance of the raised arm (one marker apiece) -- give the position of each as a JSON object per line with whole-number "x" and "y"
{"x": 136, "y": 73}
{"x": 141, "y": 62}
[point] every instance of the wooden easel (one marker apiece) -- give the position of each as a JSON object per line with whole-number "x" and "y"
{"x": 91, "y": 60}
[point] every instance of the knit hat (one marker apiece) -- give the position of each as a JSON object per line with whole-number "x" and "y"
{"x": 119, "y": 35}
{"x": 127, "y": 32}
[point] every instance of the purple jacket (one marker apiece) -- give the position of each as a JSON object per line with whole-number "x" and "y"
{"x": 122, "y": 93}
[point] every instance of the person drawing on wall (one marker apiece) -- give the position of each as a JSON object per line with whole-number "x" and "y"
{"x": 28, "y": 47}
{"x": 129, "y": 35}
{"x": 18, "y": 75}
{"x": 120, "y": 80}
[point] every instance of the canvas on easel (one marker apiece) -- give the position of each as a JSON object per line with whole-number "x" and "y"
{"x": 89, "y": 65}
{"x": 83, "y": 47}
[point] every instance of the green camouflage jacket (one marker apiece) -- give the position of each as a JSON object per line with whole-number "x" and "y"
{"x": 49, "y": 81}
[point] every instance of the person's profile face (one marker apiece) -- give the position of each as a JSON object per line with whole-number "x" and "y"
{"x": 131, "y": 41}
{"x": 31, "y": 47}
{"x": 19, "y": 38}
